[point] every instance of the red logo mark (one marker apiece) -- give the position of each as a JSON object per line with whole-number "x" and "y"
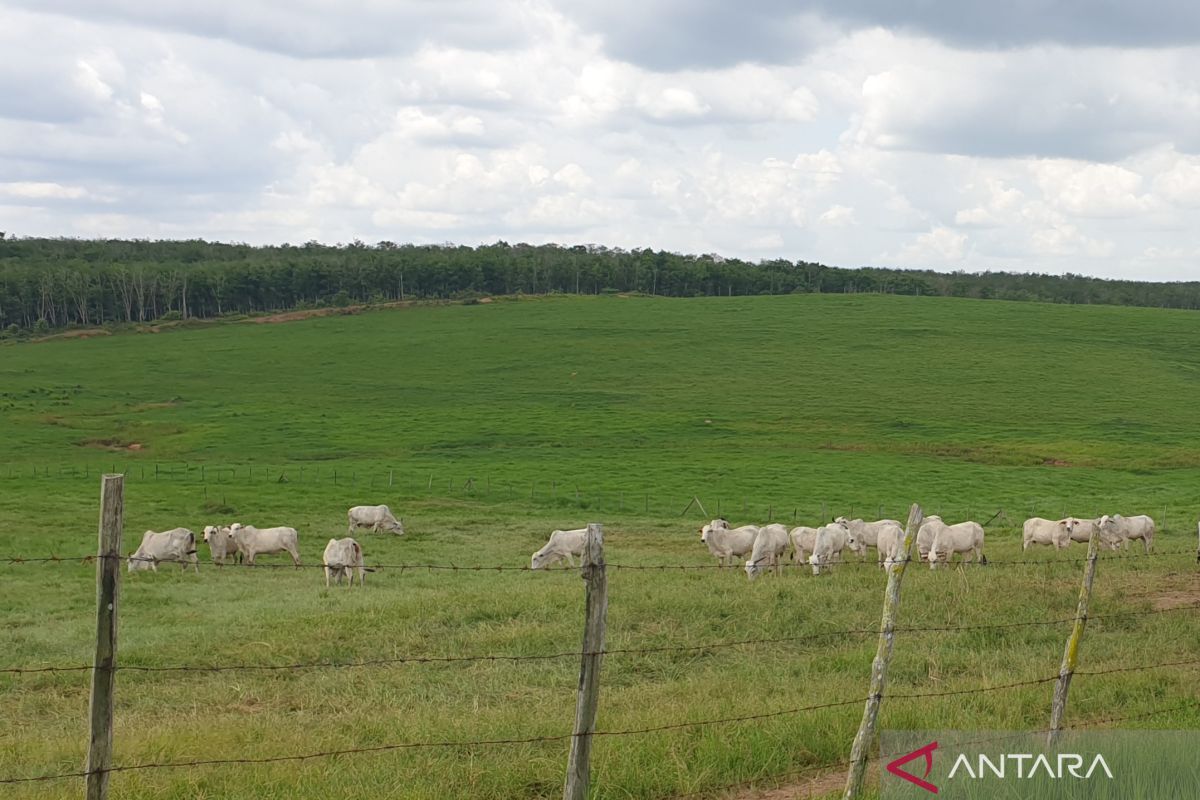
{"x": 926, "y": 751}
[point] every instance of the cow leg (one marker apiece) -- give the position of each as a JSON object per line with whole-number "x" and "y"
{"x": 295, "y": 557}
{"x": 571, "y": 561}
{"x": 327, "y": 576}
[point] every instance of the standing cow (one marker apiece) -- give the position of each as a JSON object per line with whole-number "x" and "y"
{"x": 963, "y": 537}
{"x": 343, "y": 557}
{"x": 867, "y": 534}
{"x": 769, "y": 546}
{"x": 831, "y": 540}
{"x": 561, "y": 545}
{"x": 252, "y": 541}
{"x": 377, "y": 518}
{"x": 1037, "y": 530}
{"x": 1117, "y": 528}
{"x": 804, "y": 540}
{"x": 221, "y": 544}
{"x": 177, "y": 544}
{"x": 728, "y": 544}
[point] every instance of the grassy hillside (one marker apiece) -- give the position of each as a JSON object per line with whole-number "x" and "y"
{"x": 788, "y": 405}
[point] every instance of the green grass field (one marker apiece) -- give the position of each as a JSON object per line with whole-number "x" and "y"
{"x": 487, "y": 426}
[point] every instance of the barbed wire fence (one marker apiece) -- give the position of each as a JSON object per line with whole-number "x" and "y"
{"x": 105, "y": 666}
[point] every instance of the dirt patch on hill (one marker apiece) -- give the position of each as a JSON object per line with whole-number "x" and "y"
{"x": 1055, "y": 462}
{"x": 81, "y": 333}
{"x": 112, "y": 445}
{"x": 293, "y": 316}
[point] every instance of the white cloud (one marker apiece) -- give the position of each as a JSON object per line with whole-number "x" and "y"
{"x": 814, "y": 135}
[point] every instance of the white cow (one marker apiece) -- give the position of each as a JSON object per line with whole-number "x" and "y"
{"x": 1081, "y": 531}
{"x": 726, "y": 543}
{"x": 866, "y": 534}
{"x": 831, "y": 540}
{"x": 376, "y": 518}
{"x": 221, "y": 544}
{"x": 804, "y": 540}
{"x": 1122, "y": 529}
{"x": 177, "y": 544}
{"x": 769, "y": 546}
{"x": 252, "y": 541}
{"x": 1037, "y": 530}
{"x": 343, "y": 557}
{"x": 963, "y": 537}
{"x": 891, "y": 546}
{"x": 925, "y": 535}
{"x": 562, "y": 544}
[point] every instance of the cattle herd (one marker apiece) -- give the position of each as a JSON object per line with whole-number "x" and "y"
{"x": 243, "y": 543}
{"x": 764, "y": 547}
{"x": 937, "y": 542}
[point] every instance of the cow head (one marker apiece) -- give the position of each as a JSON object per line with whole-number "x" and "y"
{"x": 855, "y": 542}
{"x": 753, "y": 569}
{"x": 816, "y": 561}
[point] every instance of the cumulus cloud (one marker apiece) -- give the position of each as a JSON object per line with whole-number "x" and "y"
{"x": 922, "y": 134}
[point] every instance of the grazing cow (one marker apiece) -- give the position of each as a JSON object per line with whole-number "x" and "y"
{"x": 726, "y": 543}
{"x": 1122, "y": 529}
{"x": 562, "y": 544}
{"x": 831, "y": 540}
{"x": 221, "y": 544}
{"x": 963, "y": 537}
{"x": 177, "y": 544}
{"x": 343, "y": 557}
{"x": 925, "y": 536}
{"x": 769, "y": 546}
{"x": 252, "y": 541}
{"x": 862, "y": 535}
{"x": 377, "y": 518}
{"x": 804, "y": 540}
{"x": 1046, "y": 531}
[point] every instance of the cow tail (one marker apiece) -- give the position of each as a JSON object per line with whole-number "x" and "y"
{"x": 983, "y": 560}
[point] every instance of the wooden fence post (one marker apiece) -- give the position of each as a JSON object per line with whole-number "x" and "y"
{"x": 104, "y": 666}
{"x": 595, "y": 612}
{"x": 1058, "y": 708}
{"x": 883, "y": 655}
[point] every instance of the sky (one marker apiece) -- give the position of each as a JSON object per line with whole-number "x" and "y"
{"x": 1027, "y": 135}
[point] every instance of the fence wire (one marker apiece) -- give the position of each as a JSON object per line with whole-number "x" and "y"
{"x": 720, "y": 645}
{"x": 417, "y": 567}
{"x": 565, "y": 737}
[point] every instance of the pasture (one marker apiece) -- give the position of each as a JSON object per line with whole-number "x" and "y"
{"x": 479, "y": 424}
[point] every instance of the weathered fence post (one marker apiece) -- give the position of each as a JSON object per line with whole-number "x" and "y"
{"x": 1071, "y": 654}
{"x": 104, "y": 666}
{"x": 883, "y": 655}
{"x": 595, "y": 612}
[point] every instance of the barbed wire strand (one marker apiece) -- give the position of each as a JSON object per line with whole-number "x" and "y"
{"x": 53, "y": 559}
{"x": 399, "y": 660}
{"x": 564, "y": 737}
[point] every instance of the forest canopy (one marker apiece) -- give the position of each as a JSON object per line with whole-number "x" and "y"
{"x": 50, "y": 283}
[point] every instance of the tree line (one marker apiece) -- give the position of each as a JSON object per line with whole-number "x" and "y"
{"x": 51, "y": 283}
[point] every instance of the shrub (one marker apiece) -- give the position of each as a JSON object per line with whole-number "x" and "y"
{"x": 171, "y": 316}
{"x": 41, "y": 326}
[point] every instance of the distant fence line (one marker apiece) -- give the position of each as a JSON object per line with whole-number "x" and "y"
{"x": 594, "y": 572}
{"x": 407, "y": 484}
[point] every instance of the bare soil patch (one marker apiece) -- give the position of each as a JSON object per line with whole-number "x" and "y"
{"x": 817, "y": 786}
{"x": 112, "y": 445}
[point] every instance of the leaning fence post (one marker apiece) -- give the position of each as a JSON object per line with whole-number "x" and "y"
{"x": 104, "y": 666}
{"x": 1071, "y": 654}
{"x": 883, "y": 655}
{"x": 595, "y": 611}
